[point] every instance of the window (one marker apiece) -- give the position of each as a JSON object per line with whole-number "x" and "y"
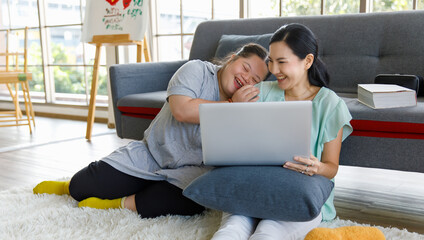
{"x": 174, "y": 21}
{"x": 15, "y": 15}
{"x": 61, "y": 65}
{"x": 21, "y": 14}
{"x": 58, "y": 13}
{"x": 35, "y": 65}
{"x": 53, "y": 5}
{"x": 341, "y": 6}
{"x": 391, "y": 5}
{"x": 301, "y": 7}
{"x": 66, "y": 6}
{"x": 259, "y": 8}
{"x": 225, "y": 9}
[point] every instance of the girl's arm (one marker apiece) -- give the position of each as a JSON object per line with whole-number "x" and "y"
{"x": 329, "y": 164}
{"x": 186, "y": 109}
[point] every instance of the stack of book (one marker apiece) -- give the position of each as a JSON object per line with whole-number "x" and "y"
{"x": 386, "y": 96}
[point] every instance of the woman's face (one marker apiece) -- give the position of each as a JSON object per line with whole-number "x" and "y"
{"x": 242, "y": 71}
{"x": 290, "y": 70}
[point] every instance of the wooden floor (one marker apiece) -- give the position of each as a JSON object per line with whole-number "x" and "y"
{"x": 57, "y": 149}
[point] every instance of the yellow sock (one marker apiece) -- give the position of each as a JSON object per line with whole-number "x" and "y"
{"x": 52, "y": 187}
{"x": 99, "y": 203}
{"x": 346, "y": 233}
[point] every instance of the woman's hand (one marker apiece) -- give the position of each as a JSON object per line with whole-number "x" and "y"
{"x": 247, "y": 93}
{"x": 308, "y": 166}
{"x": 329, "y": 164}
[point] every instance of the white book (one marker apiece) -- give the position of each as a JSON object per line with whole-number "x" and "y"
{"x": 386, "y": 96}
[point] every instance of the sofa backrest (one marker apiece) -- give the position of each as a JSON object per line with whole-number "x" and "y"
{"x": 355, "y": 47}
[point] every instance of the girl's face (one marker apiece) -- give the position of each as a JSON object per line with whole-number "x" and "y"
{"x": 242, "y": 71}
{"x": 290, "y": 70}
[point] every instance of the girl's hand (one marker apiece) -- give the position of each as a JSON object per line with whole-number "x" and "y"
{"x": 308, "y": 166}
{"x": 247, "y": 93}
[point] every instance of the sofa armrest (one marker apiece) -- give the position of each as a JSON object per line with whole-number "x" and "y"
{"x": 135, "y": 78}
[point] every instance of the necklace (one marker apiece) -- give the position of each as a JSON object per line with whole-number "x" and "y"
{"x": 300, "y": 96}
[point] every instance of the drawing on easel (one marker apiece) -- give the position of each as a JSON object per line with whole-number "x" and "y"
{"x": 110, "y": 17}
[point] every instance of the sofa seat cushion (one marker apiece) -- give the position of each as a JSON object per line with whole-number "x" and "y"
{"x": 142, "y": 105}
{"x": 405, "y": 122}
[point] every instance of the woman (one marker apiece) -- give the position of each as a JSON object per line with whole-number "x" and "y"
{"x": 148, "y": 176}
{"x": 301, "y": 75}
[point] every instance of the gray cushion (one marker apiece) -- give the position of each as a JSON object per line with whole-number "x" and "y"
{"x": 230, "y": 43}
{"x": 267, "y": 192}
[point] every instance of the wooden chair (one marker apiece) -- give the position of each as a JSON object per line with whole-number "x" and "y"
{"x": 13, "y": 78}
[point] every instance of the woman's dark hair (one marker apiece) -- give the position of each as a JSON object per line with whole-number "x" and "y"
{"x": 302, "y": 42}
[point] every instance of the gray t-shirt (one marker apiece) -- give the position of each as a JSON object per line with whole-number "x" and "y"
{"x": 171, "y": 150}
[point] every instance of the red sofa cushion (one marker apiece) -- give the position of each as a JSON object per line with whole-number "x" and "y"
{"x": 371, "y": 128}
{"x": 139, "y": 112}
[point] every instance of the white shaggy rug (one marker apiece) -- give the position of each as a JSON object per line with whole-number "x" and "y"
{"x": 24, "y": 215}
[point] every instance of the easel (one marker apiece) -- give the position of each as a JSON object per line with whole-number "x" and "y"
{"x": 109, "y": 40}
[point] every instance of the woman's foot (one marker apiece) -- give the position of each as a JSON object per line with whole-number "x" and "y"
{"x": 52, "y": 187}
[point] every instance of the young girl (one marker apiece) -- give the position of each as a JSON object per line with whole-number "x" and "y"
{"x": 148, "y": 176}
{"x": 301, "y": 75}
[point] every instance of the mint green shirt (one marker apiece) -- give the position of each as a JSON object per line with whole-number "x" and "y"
{"x": 329, "y": 114}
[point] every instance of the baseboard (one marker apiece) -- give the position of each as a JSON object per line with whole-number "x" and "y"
{"x": 62, "y": 111}
{"x": 72, "y": 117}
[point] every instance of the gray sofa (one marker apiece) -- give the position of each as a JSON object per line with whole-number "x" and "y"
{"x": 355, "y": 47}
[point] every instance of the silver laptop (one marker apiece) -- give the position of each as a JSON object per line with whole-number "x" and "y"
{"x": 265, "y": 133}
